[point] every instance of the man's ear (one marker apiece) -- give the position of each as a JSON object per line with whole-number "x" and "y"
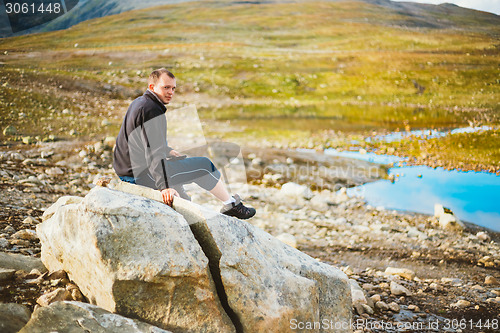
{"x": 151, "y": 86}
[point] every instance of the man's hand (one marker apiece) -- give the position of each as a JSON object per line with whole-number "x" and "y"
{"x": 168, "y": 195}
{"x": 175, "y": 153}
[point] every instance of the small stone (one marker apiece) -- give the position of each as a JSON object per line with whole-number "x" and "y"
{"x": 60, "y": 294}
{"x": 397, "y": 289}
{"x": 367, "y": 309}
{"x": 482, "y": 236}
{"x": 376, "y": 298}
{"x": 6, "y": 274}
{"x": 28, "y": 140}
{"x": 368, "y": 286}
{"x": 413, "y": 308}
{"x": 20, "y": 242}
{"x": 9, "y": 229}
{"x": 461, "y": 304}
{"x": 403, "y": 272}
{"x": 54, "y": 171}
{"x": 493, "y": 300}
{"x": 9, "y": 130}
{"x": 384, "y": 285}
{"x": 25, "y": 234}
{"x": 381, "y": 305}
{"x": 393, "y": 306}
{"x": 57, "y": 275}
{"x": 30, "y": 220}
{"x": 4, "y": 243}
{"x": 490, "y": 280}
{"x": 478, "y": 288}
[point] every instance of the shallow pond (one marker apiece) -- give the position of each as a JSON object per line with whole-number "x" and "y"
{"x": 472, "y": 196}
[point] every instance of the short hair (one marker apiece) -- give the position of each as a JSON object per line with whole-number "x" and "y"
{"x": 155, "y": 75}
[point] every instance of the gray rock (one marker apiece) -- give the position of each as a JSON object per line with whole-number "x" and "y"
{"x": 13, "y": 317}
{"x": 60, "y": 294}
{"x": 381, "y": 305}
{"x": 133, "y": 256}
{"x": 78, "y": 317}
{"x": 393, "y": 306}
{"x": 267, "y": 283}
{"x": 402, "y": 272}
{"x": 491, "y": 280}
{"x": 461, "y": 304}
{"x": 21, "y": 262}
{"x": 25, "y": 234}
{"x": 6, "y": 274}
{"x": 397, "y": 290}
{"x": 4, "y": 243}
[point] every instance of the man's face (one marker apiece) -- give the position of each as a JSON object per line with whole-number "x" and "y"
{"x": 164, "y": 88}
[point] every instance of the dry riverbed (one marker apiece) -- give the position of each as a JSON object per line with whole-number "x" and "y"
{"x": 451, "y": 278}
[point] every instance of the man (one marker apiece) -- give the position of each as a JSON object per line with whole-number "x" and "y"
{"x": 142, "y": 155}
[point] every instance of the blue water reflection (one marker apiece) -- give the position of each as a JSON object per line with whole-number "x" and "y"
{"x": 472, "y": 196}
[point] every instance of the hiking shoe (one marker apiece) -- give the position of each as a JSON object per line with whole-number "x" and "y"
{"x": 237, "y": 209}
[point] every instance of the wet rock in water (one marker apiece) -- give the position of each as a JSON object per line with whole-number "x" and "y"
{"x": 397, "y": 290}
{"x": 13, "y": 317}
{"x": 60, "y": 294}
{"x": 288, "y": 239}
{"x": 9, "y": 131}
{"x": 83, "y": 317}
{"x": 402, "y": 272}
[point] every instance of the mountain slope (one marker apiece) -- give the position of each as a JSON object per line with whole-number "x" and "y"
{"x": 269, "y": 68}
{"x": 417, "y": 15}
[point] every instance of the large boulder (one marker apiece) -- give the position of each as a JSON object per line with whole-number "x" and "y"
{"x": 270, "y": 286}
{"x": 77, "y": 317}
{"x": 136, "y": 257}
{"x": 141, "y": 258}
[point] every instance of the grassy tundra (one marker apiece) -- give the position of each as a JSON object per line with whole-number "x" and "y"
{"x": 311, "y": 74}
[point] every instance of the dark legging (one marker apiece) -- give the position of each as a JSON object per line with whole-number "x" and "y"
{"x": 199, "y": 170}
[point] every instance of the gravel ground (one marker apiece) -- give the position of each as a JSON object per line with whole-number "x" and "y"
{"x": 452, "y": 276}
